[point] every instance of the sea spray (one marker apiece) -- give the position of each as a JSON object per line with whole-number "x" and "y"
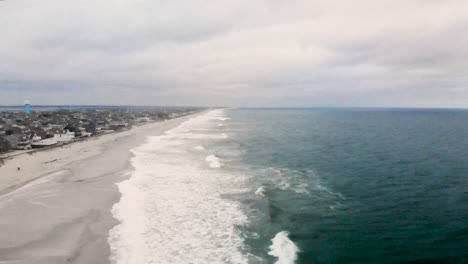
{"x": 283, "y": 248}
{"x": 260, "y": 191}
{"x": 214, "y": 161}
{"x": 199, "y": 148}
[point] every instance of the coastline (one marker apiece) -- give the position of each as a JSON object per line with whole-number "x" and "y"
{"x": 58, "y": 210}
{"x": 41, "y": 164}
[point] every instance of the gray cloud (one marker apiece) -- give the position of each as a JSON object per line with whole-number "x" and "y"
{"x": 240, "y": 53}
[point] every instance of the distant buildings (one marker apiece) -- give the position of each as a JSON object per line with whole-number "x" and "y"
{"x": 27, "y": 107}
{"x": 22, "y": 130}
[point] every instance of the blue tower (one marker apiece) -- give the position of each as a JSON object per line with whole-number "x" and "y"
{"x": 27, "y": 107}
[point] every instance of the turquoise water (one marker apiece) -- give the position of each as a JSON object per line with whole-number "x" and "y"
{"x": 350, "y": 185}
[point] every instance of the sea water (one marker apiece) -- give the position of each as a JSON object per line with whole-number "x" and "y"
{"x": 299, "y": 186}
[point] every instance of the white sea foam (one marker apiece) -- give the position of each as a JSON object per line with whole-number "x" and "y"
{"x": 201, "y": 136}
{"x": 220, "y": 125}
{"x": 214, "y": 161}
{"x": 199, "y": 148}
{"x": 301, "y": 188}
{"x": 223, "y": 118}
{"x": 283, "y": 248}
{"x": 287, "y": 179}
{"x": 171, "y": 210}
{"x": 260, "y": 191}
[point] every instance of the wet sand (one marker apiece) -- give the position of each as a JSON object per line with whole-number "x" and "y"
{"x": 56, "y": 209}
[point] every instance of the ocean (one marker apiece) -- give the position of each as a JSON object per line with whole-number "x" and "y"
{"x": 299, "y": 186}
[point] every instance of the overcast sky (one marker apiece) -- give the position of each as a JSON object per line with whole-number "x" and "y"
{"x": 395, "y": 53}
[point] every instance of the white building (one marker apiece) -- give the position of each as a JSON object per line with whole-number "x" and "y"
{"x": 68, "y": 136}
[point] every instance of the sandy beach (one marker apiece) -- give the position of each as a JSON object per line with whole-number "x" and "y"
{"x": 56, "y": 209}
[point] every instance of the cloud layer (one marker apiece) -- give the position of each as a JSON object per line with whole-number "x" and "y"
{"x": 411, "y": 53}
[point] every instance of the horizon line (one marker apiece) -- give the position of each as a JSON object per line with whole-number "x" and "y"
{"x": 239, "y": 107}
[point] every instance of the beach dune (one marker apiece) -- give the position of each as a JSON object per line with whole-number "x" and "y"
{"x": 56, "y": 209}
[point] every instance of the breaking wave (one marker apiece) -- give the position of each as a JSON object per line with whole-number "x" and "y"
{"x": 171, "y": 209}
{"x": 214, "y": 161}
{"x": 260, "y": 191}
{"x": 283, "y": 249}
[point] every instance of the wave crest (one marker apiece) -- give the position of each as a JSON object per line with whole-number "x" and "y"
{"x": 214, "y": 161}
{"x": 260, "y": 191}
{"x": 283, "y": 248}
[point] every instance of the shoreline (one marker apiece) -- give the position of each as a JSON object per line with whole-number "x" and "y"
{"x": 12, "y": 157}
{"x": 58, "y": 210}
{"x": 12, "y": 154}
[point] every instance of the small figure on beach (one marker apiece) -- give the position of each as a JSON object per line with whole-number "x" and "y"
{"x": 19, "y": 168}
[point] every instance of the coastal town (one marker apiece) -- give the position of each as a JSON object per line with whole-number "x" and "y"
{"x": 27, "y": 128}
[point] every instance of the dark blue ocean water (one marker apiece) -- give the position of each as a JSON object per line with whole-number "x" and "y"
{"x": 353, "y": 185}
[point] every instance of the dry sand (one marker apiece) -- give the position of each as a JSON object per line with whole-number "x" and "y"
{"x": 56, "y": 209}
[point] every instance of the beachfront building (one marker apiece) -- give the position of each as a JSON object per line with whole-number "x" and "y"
{"x": 36, "y": 138}
{"x": 67, "y": 136}
{"x": 24, "y": 144}
{"x": 100, "y": 124}
{"x": 18, "y": 141}
{"x": 22, "y": 128}
{"x": 117, "y": 125}
{"x": 4, "y": 145}
{"x": 143, "y": 119}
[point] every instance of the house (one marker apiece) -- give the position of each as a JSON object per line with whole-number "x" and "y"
{"x": 117, "y": 125}
{"x": 18, "y": 141}
{"x": 4, "y": 145}
{"x": 64, "y": 137}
